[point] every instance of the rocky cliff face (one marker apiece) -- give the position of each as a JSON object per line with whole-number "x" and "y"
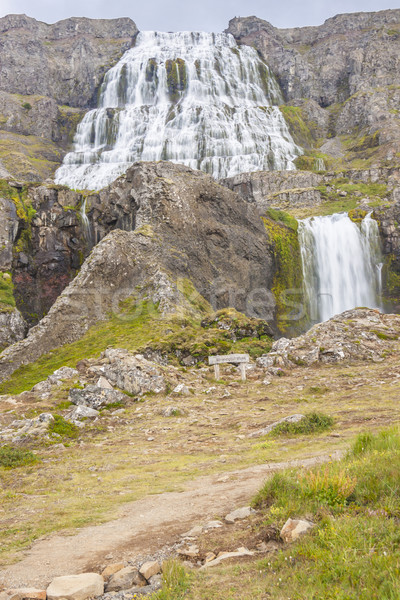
{"x": 49, "y": 76}
{"x": 180, "y": 226}
{"x": 348, "y": 66}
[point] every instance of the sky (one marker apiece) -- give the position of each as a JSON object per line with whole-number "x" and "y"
{"x": 193, "y": 15}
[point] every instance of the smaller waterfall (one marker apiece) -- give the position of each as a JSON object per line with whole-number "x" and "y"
{"x": 319, "y": 164}
{"x": 85, "y": 222}
{"x": 342, "y": 264}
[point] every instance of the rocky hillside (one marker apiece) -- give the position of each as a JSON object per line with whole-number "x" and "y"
{"x": 167, "y": 224}
{"x": 339, "y": 81}
{"x": 50, "y": 75}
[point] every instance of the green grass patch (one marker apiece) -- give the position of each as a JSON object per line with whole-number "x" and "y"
{"x": 176, "y": 582}
{"x": 60, "y": 427}
{"x": 312, "y": 423}
{"x": 7, "y": 300}
{"x": 11, "y": 457}
{"x": 353, "y": 552}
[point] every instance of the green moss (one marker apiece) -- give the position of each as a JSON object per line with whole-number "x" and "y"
{"x": 7, "y": 300}
{"x": 298, "y": 128}
{"x": 176, "y": 78}
{"x": 151, "y": 71}
{"x": 287, "y": 283}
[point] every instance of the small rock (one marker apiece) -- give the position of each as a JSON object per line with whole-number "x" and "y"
{"x": 213, "y": 525}
{"x": 149, "y": 569}
{"x": 76, "y": 587}
{"x": 291, "y": 419}
{"x": 125, "y": 579}
{"x": 240, "y": 513}
{"x": 156, "y": 582}
{"x": 190, "y": 552}
{"x": 294, "y": 528}
{"x": 225, "y": 555}
{"x": 181, "y": 389}
{"x": 111, "y": 570}
{"x": 83, "y": 412}
{"x": 171, "y": 411}
{"x": 104, "y": 383}
{"x": 194, "y": 532}
{"x": 209, "y": 557}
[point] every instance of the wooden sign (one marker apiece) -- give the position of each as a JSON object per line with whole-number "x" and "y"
{"x": 235, "y": 359}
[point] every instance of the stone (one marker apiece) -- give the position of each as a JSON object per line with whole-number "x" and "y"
{"x": 194, "y": 532}
{"x": 83, "y": 412}
{"x": 213, "y": 525}
{"x": 265, "y": 430}
{"x": 209, "y": 557}
{"x": 181, "y": 389}
{"x": 156, "y": 582}
{"x": 191, "y": 552}
{"x": 76, "y": 587}
{"x": 150, "y": 568}
{"x": 63, "y": 373}
{"x": 294, "y": 528}
{"x": 102, "y": 382}
{"x": 13, "y": 327}
{"x": 95, "y": 397}
{"x": 239, "y": 514}
{"x": 111, "y": 570}
{"x": 225, "y": 556}
{"x": 125, "y": 579}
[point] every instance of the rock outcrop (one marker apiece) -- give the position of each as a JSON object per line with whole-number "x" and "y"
{"x": 186, "y": 227}
{"x": 359, "y": 334}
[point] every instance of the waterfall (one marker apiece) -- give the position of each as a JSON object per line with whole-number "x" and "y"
{"x": 319, "y": 164}
{"x": 341, "y": 264}
{"x": 192, "y": 98}
{"x": 85, "y": 222}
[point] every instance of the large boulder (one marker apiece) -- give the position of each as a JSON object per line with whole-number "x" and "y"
{"x": 76, "y": 587}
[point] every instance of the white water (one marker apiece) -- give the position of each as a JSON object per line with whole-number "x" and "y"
{"x": 341, "y": 264}
{"x": 191, "y": 98}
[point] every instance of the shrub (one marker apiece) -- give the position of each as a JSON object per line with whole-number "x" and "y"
{"x": 63, "y": 428}
{"x": 311, "y": 423}
{"x": 11, "y": 457}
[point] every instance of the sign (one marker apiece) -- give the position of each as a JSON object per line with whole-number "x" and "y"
{"x": 228, "y": 358}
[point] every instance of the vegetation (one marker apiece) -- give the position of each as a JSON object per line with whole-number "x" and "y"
{"x": 138, "y": 327}
{"x": 302, "y": 131}
{"x": 12, "y": 457}
{"x": 176, "y": 582}
{"x": 287, "y": 283}
{"x": 7, "y": 301}
{"x": 60, "y": 427}
{"x": 314, "y": 422}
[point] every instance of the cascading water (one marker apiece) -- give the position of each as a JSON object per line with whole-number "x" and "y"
{"x": 341, "y": 264}
{"x": 191, "y": 98}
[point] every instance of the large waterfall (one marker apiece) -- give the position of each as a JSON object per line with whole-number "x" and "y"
{"x": 191, "y": 98}
{"x": 341, "y": 264}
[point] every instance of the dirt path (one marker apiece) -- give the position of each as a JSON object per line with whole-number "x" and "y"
{"x": 143, "y": 527}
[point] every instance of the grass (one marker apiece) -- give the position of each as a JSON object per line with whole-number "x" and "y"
{"x": 12, "y": 457}
{"x": 136, "y": 328}
{"x": 61, "y": 428}
{"x": 176, "y": 582}
{"x": 314, "y": 422}
{"x": 7, "y": 301}
{"x": 352, "y": 553}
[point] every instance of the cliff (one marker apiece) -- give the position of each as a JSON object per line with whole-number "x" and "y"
{"x": 341, "y": 76}
{"x": 49, "y": 76}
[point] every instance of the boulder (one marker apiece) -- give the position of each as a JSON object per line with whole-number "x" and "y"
{"x": 150, "y": 568}
{"x": 95, "y": 397}
{"x": 24, "y": 594}
{"x": 111, "y": 570}
{"x": 125, "y": 579}
{"x": 294, "y": 528}
{"x": 239, "y": 514}
{"x": 76, "y": 587}
{"x": 225, "y": 556}
{"x": 83, "y": 412}
{"x": 132, "y": 373}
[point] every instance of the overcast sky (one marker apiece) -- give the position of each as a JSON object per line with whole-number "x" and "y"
{"x": 194, "y": 15}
